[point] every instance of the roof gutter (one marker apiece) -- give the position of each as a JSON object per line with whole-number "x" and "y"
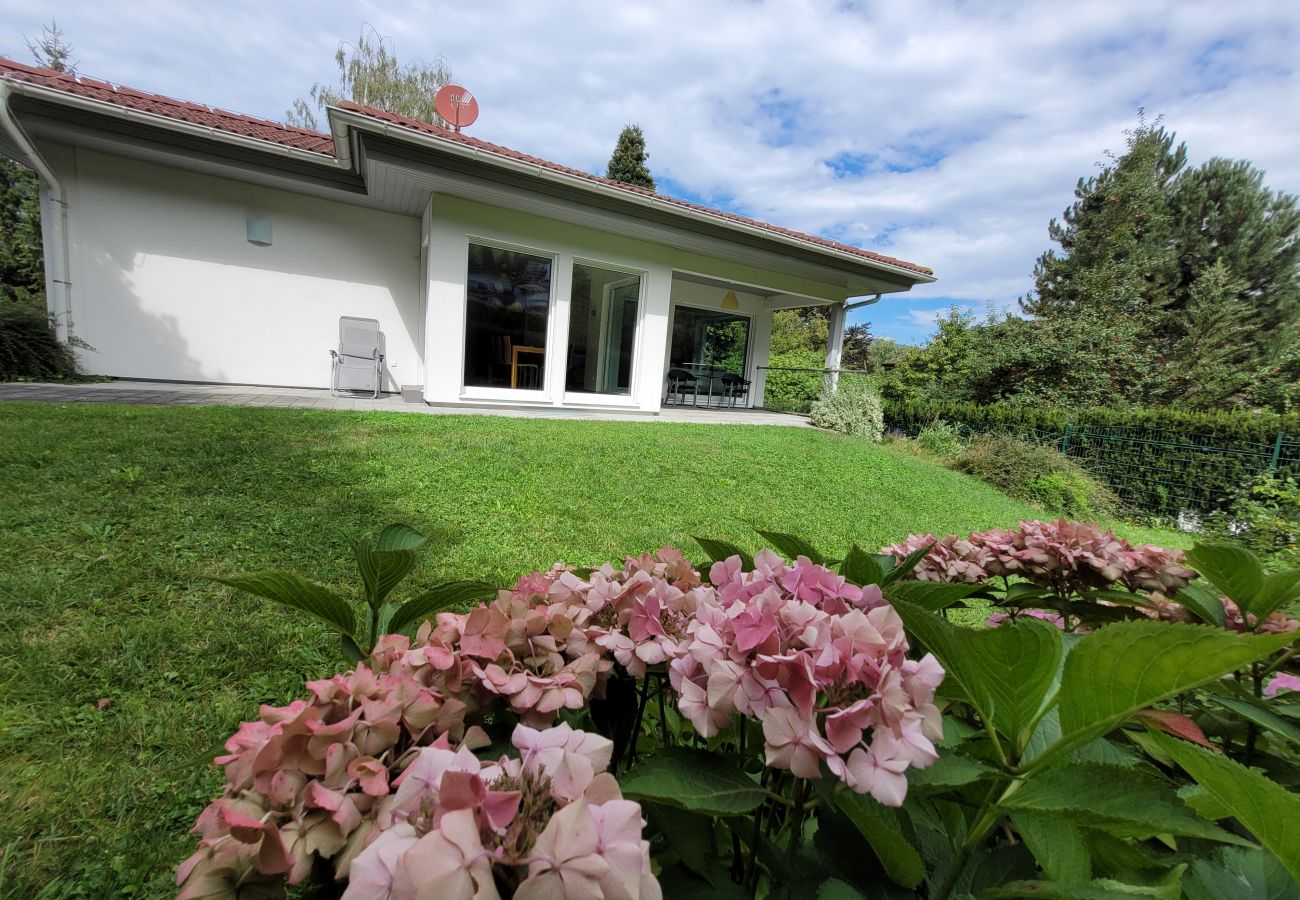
{"x": 58, "y": 270}
{"x": 344, "y": 117}
{"x": 343, "y": 160}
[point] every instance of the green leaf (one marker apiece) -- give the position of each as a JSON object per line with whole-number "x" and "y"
{"x": 1240, "y": 874}
{"x": 951, "y": 770}
{"x": 719, "y": 551}
{"x": 904, "y": 567}
{"x": 1204, "y": 602}
{"x": 834, "y": 889}
{"x": 688, "y": 835}
{"x": 1057, "y": 844}
{"x": 1258, "y": 712}
{"x": 1006, "y": 673}
{"x": 1168, "y": 888}
{"x": 1279, "y": 590}
{"x": 1201, "y": 800}
{"x": 351, "y": 652}
{"x": 1232, "y": 568}
{"x": 1267, "y": 810}
{"x": 1112, "y": 673}
{"x": 399, "y": 537}
{"x": 861, "y": 568}
{"x": 445, "y": 596}
{"x": 1116, "y": 797}
{"x": 792, "y": 546}
{"x": 381, "y": 570}
{"x": 694, "y": 780}
{"x": 932, "y": 595}
{"x": 880, "y": 827}
{"x": 298, "y": 593}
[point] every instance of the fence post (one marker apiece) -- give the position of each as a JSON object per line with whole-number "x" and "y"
{"x": 1065, "y": 436}
{"x": 1277, "y": 452}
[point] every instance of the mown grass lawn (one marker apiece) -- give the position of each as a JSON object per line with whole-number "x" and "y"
{"x": 111, "y": 515}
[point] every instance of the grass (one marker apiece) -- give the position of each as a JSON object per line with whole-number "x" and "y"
{"x": 111, "y": 515}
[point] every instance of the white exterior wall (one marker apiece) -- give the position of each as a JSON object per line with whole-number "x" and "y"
{"x": 167, "y": 286}
{"x": 455, "y": 223}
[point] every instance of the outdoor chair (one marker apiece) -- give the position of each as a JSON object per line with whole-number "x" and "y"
{"x": 679, "y": 382}
{"x": 733, "y": 386}
{"x": 358, "y": 362}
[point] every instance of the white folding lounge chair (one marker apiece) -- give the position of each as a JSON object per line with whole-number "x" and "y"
{"x": 358, "y": 364}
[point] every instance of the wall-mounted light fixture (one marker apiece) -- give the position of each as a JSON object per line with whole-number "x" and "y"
{"x": 730, "y": 300}
{"x": 259, "y": 231}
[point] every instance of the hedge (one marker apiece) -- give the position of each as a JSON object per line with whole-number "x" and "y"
{"x": 1158, "y": 461}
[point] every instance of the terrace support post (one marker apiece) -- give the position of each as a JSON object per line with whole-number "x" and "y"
{"x": 834, "y": 349}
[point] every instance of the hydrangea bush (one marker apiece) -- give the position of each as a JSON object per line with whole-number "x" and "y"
{"x": 787, "y": 722}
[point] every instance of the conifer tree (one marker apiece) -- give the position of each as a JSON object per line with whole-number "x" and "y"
{"x": 627, "y": 163}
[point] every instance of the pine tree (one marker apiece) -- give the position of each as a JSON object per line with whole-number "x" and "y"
{"x": 370, "y": 74}
{"x": 627, "y": 163}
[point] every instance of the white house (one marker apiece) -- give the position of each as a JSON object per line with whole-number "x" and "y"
{"x": 191, "y": 244}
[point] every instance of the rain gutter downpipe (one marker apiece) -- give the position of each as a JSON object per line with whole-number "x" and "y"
{"x": 55, "y": 237}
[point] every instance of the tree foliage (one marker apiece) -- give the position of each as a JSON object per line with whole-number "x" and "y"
{"x": 370, "y": 73}
{"x": 1168, "y": 286}
{"x": 627, "y": 162}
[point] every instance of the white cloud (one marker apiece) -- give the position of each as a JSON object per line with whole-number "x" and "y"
{"x": 971, "y": 121}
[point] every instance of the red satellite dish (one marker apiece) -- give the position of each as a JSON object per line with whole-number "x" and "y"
{"x": 456, "y": 105}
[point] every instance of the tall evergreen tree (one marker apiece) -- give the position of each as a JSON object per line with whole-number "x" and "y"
{"x": 369, "y": 73}
{"x": 627, "y": 163}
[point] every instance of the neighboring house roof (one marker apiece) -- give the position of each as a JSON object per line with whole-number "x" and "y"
{"x": 323, "y": 144}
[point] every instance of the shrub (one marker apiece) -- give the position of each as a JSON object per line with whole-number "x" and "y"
{"x": 1036, "y": 473}
{"x": 854, "y": 408}
{"x": 496, "y": 754}
{"x": 1265, "y": 517}
{"x": 28, "y": 347}
{"x": 1158, "y": 461}
{"x": 941, "y": 439}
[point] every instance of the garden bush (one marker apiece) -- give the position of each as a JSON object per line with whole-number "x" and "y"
{"x": 853, "y": 408}
{"x": 1158, "y": 461}
{"x": 1266, "y": 517}
{"x": 1033, "y": 472}
{"x": 28, "y": 347}
{"x": 768, "y": 727}
{"x": 941, "y": 439}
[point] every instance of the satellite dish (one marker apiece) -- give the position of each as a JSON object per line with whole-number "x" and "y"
{"x": 456, "y": 105}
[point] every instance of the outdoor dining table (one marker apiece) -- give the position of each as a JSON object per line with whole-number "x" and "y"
{"x": 709, "y": 373}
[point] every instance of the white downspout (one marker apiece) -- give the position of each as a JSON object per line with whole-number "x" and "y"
{"x": 58, "y": 273}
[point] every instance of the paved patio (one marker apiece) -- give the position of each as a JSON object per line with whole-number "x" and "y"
{"x": 167, "y": 393}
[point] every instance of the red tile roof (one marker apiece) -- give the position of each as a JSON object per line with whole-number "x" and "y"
{"x": 323, "y": 144}
{"x": 179, "y": 110}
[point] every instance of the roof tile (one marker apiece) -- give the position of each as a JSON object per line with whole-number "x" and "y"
{"x": 323, "y": 144}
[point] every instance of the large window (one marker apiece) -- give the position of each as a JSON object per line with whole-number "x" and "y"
{"x": 602, "y": 331}
{"x": 505, "y": 321}
{"x": 709, "y": 344}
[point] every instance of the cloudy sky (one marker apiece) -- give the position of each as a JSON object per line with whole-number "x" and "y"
{"x": 946, "y": 133}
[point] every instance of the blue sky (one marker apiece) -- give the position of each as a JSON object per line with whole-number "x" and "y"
{"x": 947, "y": 133}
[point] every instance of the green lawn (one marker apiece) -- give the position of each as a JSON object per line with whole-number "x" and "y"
{"x": 112, "y": 514}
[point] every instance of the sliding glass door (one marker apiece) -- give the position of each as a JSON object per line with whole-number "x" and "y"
{"x": 509, "y": 302}
{"x": 602, "y": 331}
{"x": 709, "y": 344}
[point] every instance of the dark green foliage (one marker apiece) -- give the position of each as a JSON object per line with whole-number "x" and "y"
{"x": 1265, "y": 516}
{"x": 1038, "y": 473}
{"x": 1157, "y": 461}
{"x": 22, "y": 273}
{"x": 627, "y": 163}
{"x": 28, "y": 347}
